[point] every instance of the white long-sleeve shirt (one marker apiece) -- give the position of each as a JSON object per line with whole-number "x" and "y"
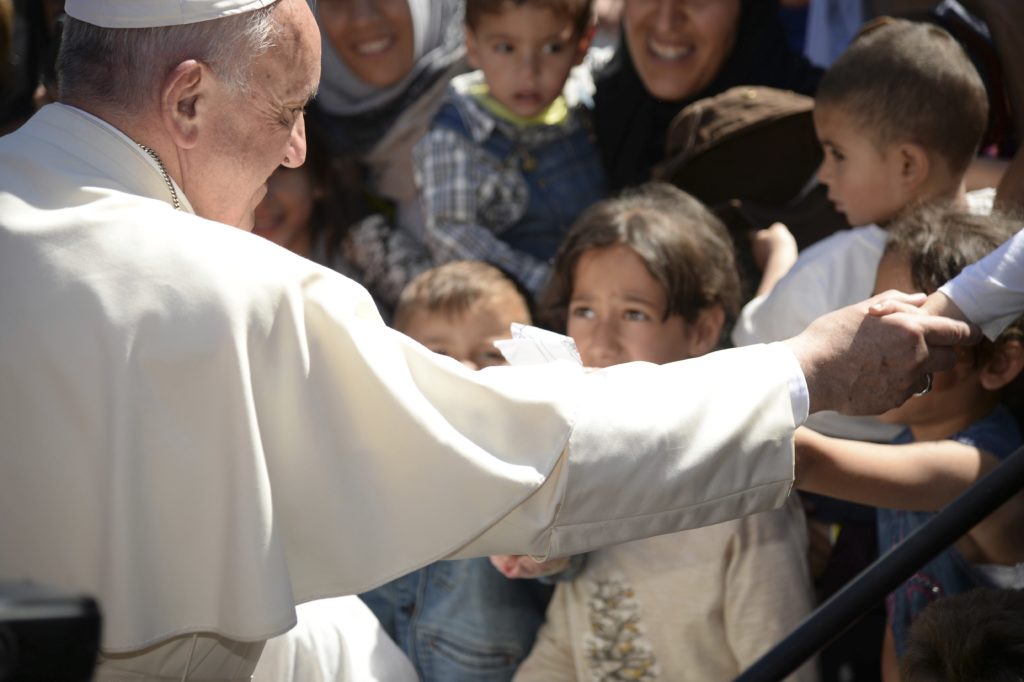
{"x": 991, "y": 292}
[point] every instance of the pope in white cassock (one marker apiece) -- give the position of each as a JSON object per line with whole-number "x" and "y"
{"x": 202, "y": 429}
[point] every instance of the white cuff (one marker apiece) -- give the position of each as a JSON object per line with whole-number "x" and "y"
{"x": 798, "y": 395}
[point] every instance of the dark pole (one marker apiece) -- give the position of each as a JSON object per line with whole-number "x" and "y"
{"x": 884, "y": 575}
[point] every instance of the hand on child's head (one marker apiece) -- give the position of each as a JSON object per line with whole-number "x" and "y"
{"x": 522, "y": 566}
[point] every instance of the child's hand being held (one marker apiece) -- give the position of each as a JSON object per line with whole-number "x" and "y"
{"x": 522, "y": 566}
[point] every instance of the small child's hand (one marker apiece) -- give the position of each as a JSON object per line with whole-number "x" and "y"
{"x": 775, "y": 242}
{"x": 774, "y": 250}
{"x": 522, "y": 566}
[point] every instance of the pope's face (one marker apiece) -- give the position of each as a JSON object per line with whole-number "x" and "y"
{"x": 250, "y": 133}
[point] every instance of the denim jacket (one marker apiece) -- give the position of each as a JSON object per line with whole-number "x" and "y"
{"x": 501, "y": 192}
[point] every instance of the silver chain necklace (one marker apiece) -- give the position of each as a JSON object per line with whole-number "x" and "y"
{"x": 164, "y": 175}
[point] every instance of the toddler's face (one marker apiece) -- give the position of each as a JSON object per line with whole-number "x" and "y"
{"x": 284, "y": 213}
{"x": 469, "y": 336}
{"x": 863, "y": 181}
{"x": 373, "y": 37}
{"x": 525, "y": 53}
{"x": 616, "y": 311}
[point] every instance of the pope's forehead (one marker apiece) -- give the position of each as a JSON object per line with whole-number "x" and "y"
{"x": 298, "y": 40}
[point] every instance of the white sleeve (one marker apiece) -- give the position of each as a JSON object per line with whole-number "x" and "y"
{"x": 832, "y": 273}
{"x": 656, "y": 449}
{"x": 991, "y": 292}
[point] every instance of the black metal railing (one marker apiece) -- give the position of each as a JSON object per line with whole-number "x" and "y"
{"x": 883, "y": 576}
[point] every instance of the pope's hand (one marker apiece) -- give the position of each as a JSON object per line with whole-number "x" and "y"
{"x": 856, "y": 362}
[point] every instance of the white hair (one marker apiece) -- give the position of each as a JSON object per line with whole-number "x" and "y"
{"x": 125, "y": 66}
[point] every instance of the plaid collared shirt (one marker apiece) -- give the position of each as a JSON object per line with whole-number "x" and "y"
{"x": 470, "y": 196}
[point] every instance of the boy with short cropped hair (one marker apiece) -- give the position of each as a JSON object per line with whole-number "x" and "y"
{"x": 461, "y": 620}
{"x": 900, "y": 116}
{"x": 508, "y": 162}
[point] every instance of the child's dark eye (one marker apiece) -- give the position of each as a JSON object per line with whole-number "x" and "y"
{"x": 490, "y": 358}
{"x": 582, "y": 311}
{"x": 554, "y": 48}
{"x": 636, "y": 316}
{"x": 503, "y": 48}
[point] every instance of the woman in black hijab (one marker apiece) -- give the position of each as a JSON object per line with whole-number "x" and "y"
{"x": 674, "y": 52}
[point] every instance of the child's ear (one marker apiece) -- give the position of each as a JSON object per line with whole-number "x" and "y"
{"x": 472, "y": 48}
{"x": 584, "y": 43}
{"x": 914, "y": 165}
{"x": 1003, "y": 366}
{"x": 706, "y": 330}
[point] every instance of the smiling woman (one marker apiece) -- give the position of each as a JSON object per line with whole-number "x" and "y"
{"x": 675, "y": 52}
{"x": 386, "y": 64}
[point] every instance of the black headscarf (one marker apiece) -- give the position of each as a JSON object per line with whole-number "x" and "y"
{"x": 630, "y": 123}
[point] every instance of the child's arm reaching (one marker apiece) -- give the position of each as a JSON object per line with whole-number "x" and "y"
{"x": 774, "y": 249}
{"x": 915, "y": 476}
{"x": 921, "y": 476}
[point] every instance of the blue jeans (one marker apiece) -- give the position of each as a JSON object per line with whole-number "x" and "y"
{"x": 461, "y": 620}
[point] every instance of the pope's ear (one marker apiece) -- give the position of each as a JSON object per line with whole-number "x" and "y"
{"x": 181, "y": 97}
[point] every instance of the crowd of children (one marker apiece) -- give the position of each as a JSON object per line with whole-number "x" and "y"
{"x": 488, "y": 191}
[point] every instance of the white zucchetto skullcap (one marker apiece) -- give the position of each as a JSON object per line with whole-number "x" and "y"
{"x": 153, "y": 13}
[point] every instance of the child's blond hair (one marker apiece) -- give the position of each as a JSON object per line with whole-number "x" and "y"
{"x": 455, "y": 288}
